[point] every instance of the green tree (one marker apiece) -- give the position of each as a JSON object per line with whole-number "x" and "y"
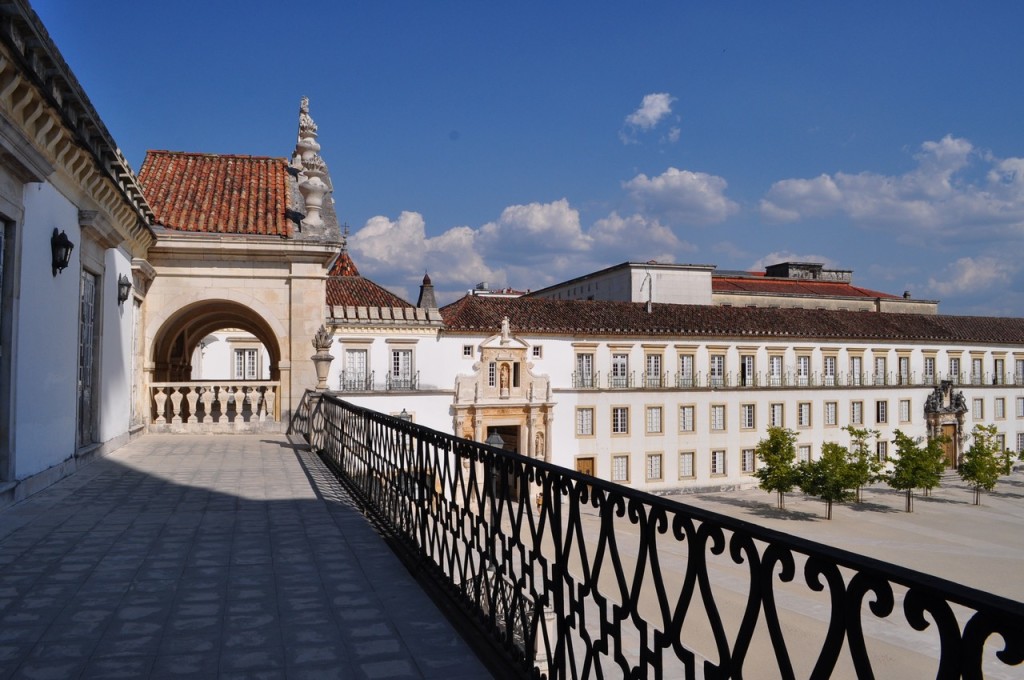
{"x": 777, "y": 471}
{"x": 864, "y": 463}
{"x": 916, "y": 466}
{"x": 983, "y": 462}
{"x": 831, "y": 477}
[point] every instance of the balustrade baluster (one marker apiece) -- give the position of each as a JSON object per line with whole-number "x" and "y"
{"x": 192, "y": 397}
{"x": 176, "y": 397}
{"x": 207, "y": 404}
{"x": 160, "y": 397}
{"x": 269, "y": 396}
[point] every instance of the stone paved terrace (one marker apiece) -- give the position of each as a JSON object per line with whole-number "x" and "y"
{"x": 217, "y": 556}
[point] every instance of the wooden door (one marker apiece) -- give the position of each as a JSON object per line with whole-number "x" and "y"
{"x": 949, "y": 432}
{"x": 585, "y": 465}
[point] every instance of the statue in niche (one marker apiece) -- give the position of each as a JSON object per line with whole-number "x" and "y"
{"x": 504, "y": 381}
{"x": 538, "y": 448}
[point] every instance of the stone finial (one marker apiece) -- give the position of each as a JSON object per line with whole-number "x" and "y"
{"x": 322, "y": 340}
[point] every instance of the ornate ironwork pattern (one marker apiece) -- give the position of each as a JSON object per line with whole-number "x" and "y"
{"x": 604, "y": 581}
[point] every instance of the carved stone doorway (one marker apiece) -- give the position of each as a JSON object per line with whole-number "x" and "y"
{"x": 949, "y": 431}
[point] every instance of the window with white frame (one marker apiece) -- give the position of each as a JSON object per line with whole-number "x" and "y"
{"x": 686, "y": 418}
{"x": 776, "y": 415}
{"x": 904, "y": 410}
{"x": 1020, "y": 442}
{"x": 718, "y": 462}
{"x": 717, "y": 372}
{"x": 881, "y": 411}
{"x": 686, "y": 465}
{"x": 620, "y": 420}
{"x": 747, "y": 370}
{"x": 584, "y": 422}
{"x": 954, "y": 370}
{"x": 903, "y": 370}
{"x": 492, "y": 374}
{"x": 620, "y": 370}
{"x": 537, "y": 351}
{"x": 652, "y": 370}
{"x": 856, "y": 369}
{"x": 828, "y": 370}
{"x": 976, "y": 371}
{"x": 1001, "y": 442}
{"x": 882, "y": 451}
{"x": 803, "y": 453}
{"x": 998, "y": 371}
{"x": 775, "y": 370}
{"x": 747, "y": 416}
{"x": 856, "y": 413}
{"x": 803, "y": 414}
{"x": 654, "y": 420}
{"x": 584, "y": 370}
{"x": 717, "y": 416}
{"x": 401, "y": 368}
{"x": 354, "y": 377}
{"x": 979, "y": 409}
{"x": 245, "y": 364}
{"x": 803, "y": 370}
{"x": 879, "y": 370}
{"x": 929, "y": 370}
{"x": 999, "y": 408}
{"x": 747, "y": 461}
{"x": 1020, "y": 407}
{"x": 831, "y": 411}
{"x": 620, "y": 468}
{"x": 1018, "y": 377}
{"x": 654, "y": 467}
{"x": 685, "y": 370}
{"x": 467, "y": 351}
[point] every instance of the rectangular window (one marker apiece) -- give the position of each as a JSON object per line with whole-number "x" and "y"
{"x": 717, "y": 417}
{"x": 492, "y": 374}
{"x": 653, "y": 467}
{"x": 718, "y": 462}
{"x": 686, "y": 418}
{"x": 929, "y": 370}
{"x": 538, "y": 351}
{"x": 976, "y": 372}
{"x": 686, "y": 465}
{"x": 979, "y": 409}
{"x": 354, "y": 377}
{"x": 654, "y": 420}
{"x": 1000, "y": 408}
{"x": 685, "y": 370}
{"x": 803, "y": 453}
{"x": 882, "y": 450}
{"x": 903, "y": 364}
{"x": 584, "y": 422}
{"x": 881, "y": 411}
{"x": 620, "y": 420}
{"x": 829, "y": 371}
{"x": 775, "y": 370}
{"x": 245, "y": 364}
{"x": 584, "y": 377}
{"x": 620, "y": 370}
{"x": 747, "y": 370}
{"x": 776, "y": 415}
{"x": 467, "y": 351}
{"x": 831, "y": 411}
{"x": 999, "y": 372}
{"x": 856, "y": 368}
{"x": 717, "y": 372}
{"x": 879, "y": 370}
{"x": 803, "y": 414}
{"x": 954, "y": 370}
{"x": 401, "y": 368}
{"x": 747, "y": 460}
{"x": 1018, "y": 377}
{"x": 1020, "y": 442}
{"x": 803, "y": 370}
{"x": 1020, "y": 407}
{"x": 856, "y": 413}
{"x": 904, "y": 410}
{"x": 1001, "y": 442}
{"x": 652, "y": 372}
{"x": 620, "y": 468}
{"x": 747, "y": 413}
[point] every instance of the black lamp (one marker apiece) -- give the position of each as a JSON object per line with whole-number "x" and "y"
{"x": 124, "y": 289}
{"x": 61, "y": 247}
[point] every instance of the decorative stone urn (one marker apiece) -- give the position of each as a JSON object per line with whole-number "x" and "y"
{"x": 322, "y": 359}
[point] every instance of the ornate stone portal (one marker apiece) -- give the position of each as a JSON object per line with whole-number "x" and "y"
{"x": 944, "y": 412}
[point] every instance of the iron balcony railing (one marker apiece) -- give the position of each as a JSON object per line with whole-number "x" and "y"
{"x": 404, "y": 382}
{"x": 569, "y": 576}
{"x": 356, "y": 381}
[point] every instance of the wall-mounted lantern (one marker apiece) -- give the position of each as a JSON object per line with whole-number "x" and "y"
{"x": 124, "y": 289}
{"x": 61, "y": 247}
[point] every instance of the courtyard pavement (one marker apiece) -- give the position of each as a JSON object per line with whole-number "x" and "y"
{"x": 211, "y": 557}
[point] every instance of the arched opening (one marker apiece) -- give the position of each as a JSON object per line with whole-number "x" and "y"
{"x": 175, "y": 344}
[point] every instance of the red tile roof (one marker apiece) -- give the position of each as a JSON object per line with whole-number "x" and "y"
{"x": 223, "y": 194}
{"x": 765, "y": 284}
{"x": 475, "y": 314}
{"x": 344, "y": 266}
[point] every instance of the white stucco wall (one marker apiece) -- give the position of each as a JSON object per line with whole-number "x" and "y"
{"x": 115, "y": 356}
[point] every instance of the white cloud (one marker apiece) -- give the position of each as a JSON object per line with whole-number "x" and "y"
{"x": 554, "y": 225}
{"x": 972, "y": 275}
{"x": 682, "y": 197}
{"x": 653, "y": 109}
{"x": 939, "y": 195}
{"x": 614, "y": 231}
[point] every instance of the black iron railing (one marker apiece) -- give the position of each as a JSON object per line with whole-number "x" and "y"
{"x": 596, "y": 580}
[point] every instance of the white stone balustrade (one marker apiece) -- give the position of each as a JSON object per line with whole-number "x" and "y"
{"x": 214, "y": 405}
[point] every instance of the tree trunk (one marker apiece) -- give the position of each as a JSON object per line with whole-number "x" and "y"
{"x": 859, "y": 497}
{"x": 910, "y": 500}
{"x": 782, "y": 500}
{"x": 977, "y": 495}
{"x": 828, "y": 509}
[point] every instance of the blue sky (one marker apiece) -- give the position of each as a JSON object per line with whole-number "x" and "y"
{"x": 523, "y": 143}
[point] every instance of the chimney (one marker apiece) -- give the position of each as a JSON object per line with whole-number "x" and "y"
{"x": 426, "y": 299}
